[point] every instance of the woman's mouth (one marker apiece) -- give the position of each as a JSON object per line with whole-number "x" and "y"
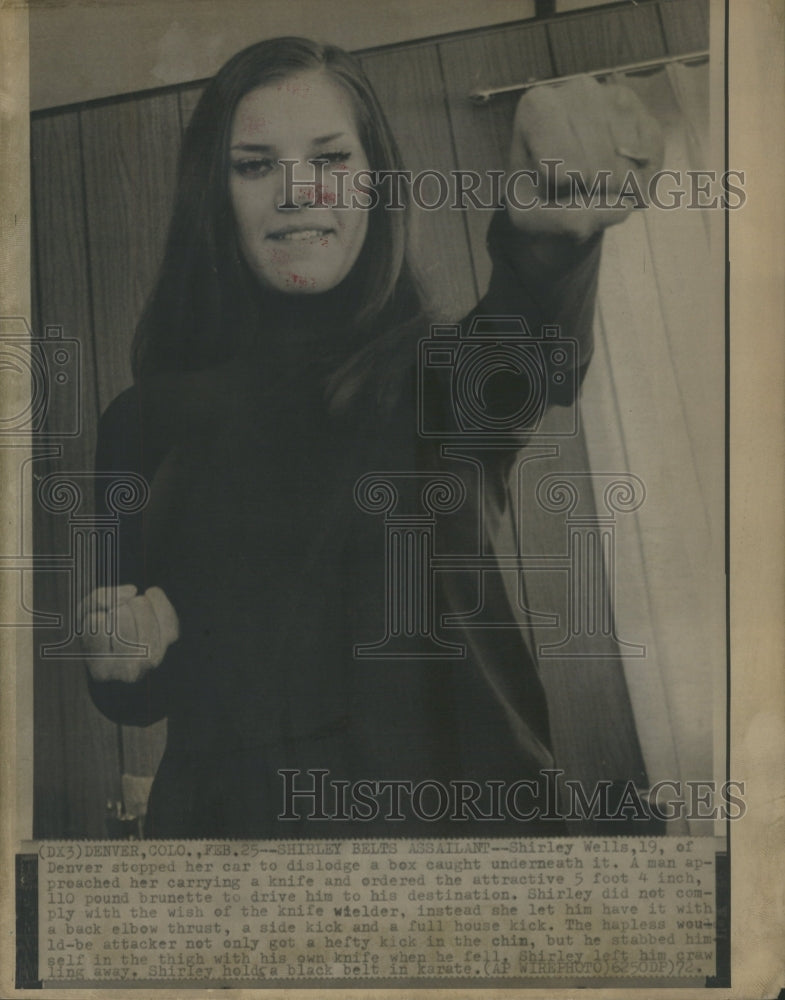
{"x": 295, "y": 235}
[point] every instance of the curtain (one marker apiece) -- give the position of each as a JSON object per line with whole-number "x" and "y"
{"x": 654, "y": 406}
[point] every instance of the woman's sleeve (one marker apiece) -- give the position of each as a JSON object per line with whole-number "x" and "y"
{"x": 549, "y": 282}
{"x": 121, "y": 448}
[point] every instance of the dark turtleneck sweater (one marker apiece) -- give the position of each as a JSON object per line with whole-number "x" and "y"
{"x": 276, "y": 574}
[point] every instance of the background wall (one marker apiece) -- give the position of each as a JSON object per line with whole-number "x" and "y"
{"x": 102, "y": 186}
{"x": 81, "y": 50}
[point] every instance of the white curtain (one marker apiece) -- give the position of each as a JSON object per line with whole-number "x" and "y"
{"x": 654, "y": 406}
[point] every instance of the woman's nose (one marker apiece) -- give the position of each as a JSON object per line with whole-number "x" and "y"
{"x": 303, "y": 184}
{"x": 300, "y": 183}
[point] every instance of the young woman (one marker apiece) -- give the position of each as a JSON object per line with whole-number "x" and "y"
{"x": 276, "y": 366}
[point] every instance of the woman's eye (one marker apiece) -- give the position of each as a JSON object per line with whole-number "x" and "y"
{"x": 332, "y": 157}
{"x": 255, "y": 167}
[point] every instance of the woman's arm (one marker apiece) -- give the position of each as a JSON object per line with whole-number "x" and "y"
{"x": 123, "y": 447}
{"x": 548, "y": 281}
{"x": 545, "y": 254}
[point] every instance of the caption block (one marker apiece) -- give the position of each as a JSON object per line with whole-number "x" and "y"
{"x": 222, "y": 912}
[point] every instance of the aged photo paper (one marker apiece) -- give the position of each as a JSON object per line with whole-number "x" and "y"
{"x": 358, "y": 638}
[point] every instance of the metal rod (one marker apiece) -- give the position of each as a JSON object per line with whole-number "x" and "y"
{"x": 483, "y": 96}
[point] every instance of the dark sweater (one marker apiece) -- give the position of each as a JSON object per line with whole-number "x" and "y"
{"x": 276, "y": 574}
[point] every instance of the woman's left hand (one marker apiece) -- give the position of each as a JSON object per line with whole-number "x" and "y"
{"x": 596, "y": 130}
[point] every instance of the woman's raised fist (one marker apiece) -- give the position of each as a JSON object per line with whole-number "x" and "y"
{"x": 603, "y": 135}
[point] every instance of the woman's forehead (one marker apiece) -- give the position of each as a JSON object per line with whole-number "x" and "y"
{"x": 302, "y": 106}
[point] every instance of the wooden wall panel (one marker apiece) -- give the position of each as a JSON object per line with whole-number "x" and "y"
{"x": 482, "y": 133}
{"x": 409, "y": 86}
{"x": 189, "y": 98}
{"x": 606, "y": 38}
{"x": 69, "y": 797}
{"x": 130, "y": 152}
{"x": 685, "y": 24}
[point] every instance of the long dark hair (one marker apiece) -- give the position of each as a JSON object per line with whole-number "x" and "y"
{"x": 206, "y": 303}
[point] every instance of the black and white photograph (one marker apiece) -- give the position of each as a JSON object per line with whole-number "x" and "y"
{"x": 372, "y": 528}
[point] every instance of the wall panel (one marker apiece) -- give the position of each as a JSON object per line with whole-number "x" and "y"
{"x": 130, "y": 152}
{"x": 602, "y": 39}
{"x": 70, "y": 794}
{"x": 482, "y": 133}
{"x": 409, "y": 86}
{"x": 685, "y": 24}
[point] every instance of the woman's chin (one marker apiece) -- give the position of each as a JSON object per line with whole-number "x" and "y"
{"x": 296, "y": 282}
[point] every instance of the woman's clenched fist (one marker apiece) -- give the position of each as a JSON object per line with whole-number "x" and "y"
{"x": 111, "y": 619}
{"x": 602, "y": 134}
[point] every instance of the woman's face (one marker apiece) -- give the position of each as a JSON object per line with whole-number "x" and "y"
{"x": 312, "y": 247}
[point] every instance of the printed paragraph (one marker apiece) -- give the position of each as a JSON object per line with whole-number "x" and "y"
{"x": 395, "y": 910}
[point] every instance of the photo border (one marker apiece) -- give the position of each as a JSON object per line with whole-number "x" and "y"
{"x": 756, "y": 444}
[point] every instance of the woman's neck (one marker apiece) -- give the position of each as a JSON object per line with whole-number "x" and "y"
{"x": 313, "y": 329}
